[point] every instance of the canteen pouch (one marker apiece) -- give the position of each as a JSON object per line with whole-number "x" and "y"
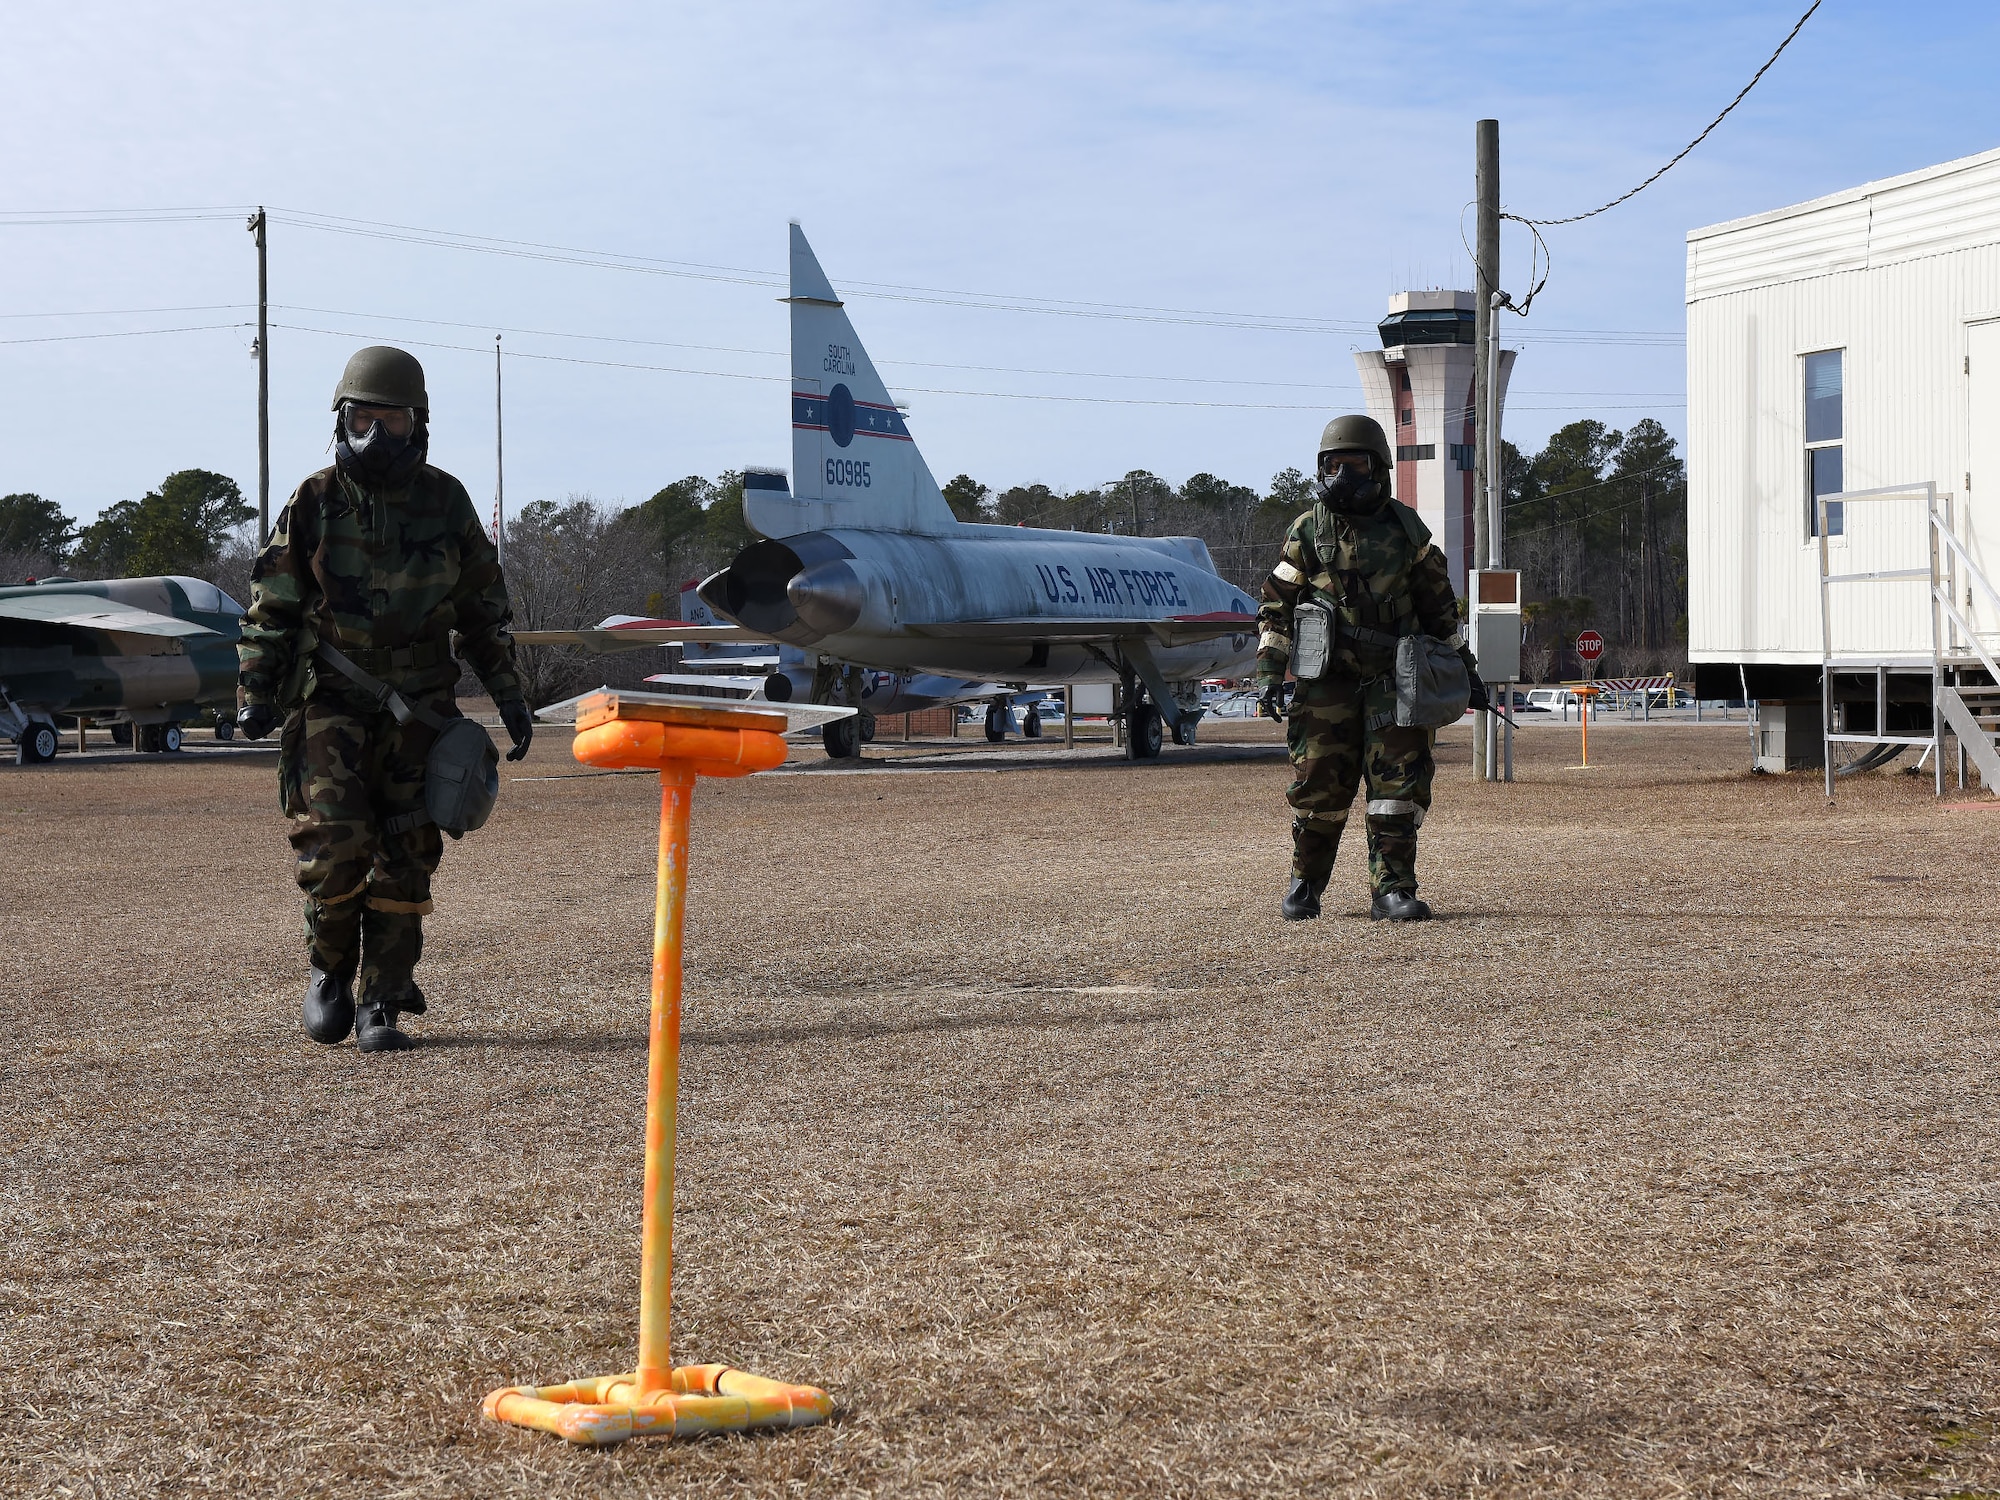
{"x": 1433, "y": 688}
{"x": 461, "y": 777}
{"x": 1312, "y": 641}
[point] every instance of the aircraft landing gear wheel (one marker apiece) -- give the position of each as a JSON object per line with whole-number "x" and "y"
{"x": 1031, "y": 724}
{"x": 146, "y": 738}
{"x": 842, "y": 738}
{"x": 1142, "y": 741}
{"x": 996, "y": 723}
{"x": 867, "y": 728}
{"x": 37, "y": 745}
{"x": 1184, "y": 731}
{"x": 170, "y": 738}
{"x": 121, "y": 734}
{"x": 225, "y": 730}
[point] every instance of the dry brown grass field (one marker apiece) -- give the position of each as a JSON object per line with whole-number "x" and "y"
{"x": 1665, "y": 1162}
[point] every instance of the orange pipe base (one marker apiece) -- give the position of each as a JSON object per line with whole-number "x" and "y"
{"x": 681, "y": 742}
{"x": 703, "y": 1398}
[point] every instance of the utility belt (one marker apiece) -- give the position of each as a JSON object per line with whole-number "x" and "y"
{"x": 1316, "y": 630}
{"x": 412, "y": 658}
{"x": 1433, "y": 686}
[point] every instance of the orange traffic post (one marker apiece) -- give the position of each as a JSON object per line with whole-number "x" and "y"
{"x": 681, "y": 738}
{"x": 1586, "y": 694}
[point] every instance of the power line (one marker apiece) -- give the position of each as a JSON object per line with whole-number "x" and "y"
{"x": 10, "y": 217}
{"x": 609, "y": 364}
{"x": 1682, "y": 153}
{"x": 892, "y": 291}
{"x": 746, "y": 276}
{"x": 123, "y": 333}
{"x": 785, "y": 379}
{"x": 137, "y": 312}
{"x": 781, "y": 354}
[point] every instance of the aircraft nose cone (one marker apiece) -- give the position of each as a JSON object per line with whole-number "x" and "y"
{"x": 828, "y": 597}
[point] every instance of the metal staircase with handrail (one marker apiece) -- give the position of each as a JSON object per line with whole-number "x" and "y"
{"x": 1961, "y": 704}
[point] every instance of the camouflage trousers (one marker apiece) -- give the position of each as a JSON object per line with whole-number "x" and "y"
{"x": 354, "y": 782}
{"x": 1334, "y": 749}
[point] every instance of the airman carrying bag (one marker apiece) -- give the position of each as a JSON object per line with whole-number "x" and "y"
{"x": 462, "y": 772}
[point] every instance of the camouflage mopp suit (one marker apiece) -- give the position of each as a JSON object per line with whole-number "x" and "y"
{"x": 1382, "y": 577}
{"x": 386, "y": 577}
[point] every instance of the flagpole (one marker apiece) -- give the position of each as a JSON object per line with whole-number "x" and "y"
{"x": 499, "y": 464}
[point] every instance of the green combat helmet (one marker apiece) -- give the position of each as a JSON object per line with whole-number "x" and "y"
{"x": 382, "y": 376}
{"x": 1351, "y": 434}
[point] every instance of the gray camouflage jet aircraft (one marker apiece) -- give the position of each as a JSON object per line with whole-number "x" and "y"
{"x": 144, "y": 652}
{"x": 863, "y": 561}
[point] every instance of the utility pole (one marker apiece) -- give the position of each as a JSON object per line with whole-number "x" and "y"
{"x": 257, "y": 224}
{"x": 499, "y": 465}
{"x": 1486, "y": 253}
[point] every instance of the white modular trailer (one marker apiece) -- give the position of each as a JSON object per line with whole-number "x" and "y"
{"x": 1847, "y": 344}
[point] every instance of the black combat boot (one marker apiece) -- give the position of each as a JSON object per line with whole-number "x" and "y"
{"x": 375, "y": 1029}
{"x": 1301, "y": 903}
{"x": 329, "y": 1008}
{"x": 1398, "y": 906}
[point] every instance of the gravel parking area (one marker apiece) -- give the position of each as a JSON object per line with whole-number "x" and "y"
{"x": 1665, "y": 1162}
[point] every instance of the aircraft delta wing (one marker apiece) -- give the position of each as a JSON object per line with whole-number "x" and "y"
{"x": 862, "y": 558}
{"x": 631, "y": 632}
{"x": 146, "y": 651}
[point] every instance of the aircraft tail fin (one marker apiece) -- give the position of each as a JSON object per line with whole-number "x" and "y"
{"x": 854, "y": 463}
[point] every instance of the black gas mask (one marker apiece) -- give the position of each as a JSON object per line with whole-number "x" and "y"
{"x": 1349, "y": 485}
{"x": 381, "y": 447}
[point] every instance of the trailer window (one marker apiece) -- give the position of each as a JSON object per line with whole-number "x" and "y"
{"x": 1824, "y": 430}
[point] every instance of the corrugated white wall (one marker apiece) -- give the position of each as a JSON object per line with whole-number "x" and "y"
{"x": 1892, "y": 274}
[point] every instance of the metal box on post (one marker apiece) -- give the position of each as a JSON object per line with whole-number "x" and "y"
{"x": 1495, "y": 626}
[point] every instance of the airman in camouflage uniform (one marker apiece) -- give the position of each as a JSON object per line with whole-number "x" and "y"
{"x": 382, "y": 557}
{"x": 1371, "y": 562}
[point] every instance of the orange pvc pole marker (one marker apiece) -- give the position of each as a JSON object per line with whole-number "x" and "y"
{"x": 663, "y": 1080}
{"x": 681, "y": 739}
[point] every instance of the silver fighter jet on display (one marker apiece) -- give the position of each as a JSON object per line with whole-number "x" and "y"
{"x": 862, "y": 561}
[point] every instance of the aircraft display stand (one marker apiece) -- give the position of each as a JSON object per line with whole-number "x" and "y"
{"x": 682, "y": 738}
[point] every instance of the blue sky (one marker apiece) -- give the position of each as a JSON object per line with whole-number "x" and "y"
{"x": 1298, "y": 162}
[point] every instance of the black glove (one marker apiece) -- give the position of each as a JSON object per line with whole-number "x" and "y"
{"x": 255, "y": 720}
{"x": 1479, "y": 699}
{"x": 1271, "y": 702}
{"x": 520, "y": 726}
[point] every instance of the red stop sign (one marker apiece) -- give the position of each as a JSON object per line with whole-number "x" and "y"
{"x": 1589, "y": 646}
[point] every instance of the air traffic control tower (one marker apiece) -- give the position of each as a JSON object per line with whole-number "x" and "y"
{"x": 1419, "y": 387}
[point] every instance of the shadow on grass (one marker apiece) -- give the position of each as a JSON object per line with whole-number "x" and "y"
{"x": 752, "y": 1036}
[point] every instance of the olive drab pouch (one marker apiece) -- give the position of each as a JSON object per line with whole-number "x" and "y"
{"x": 1312, "y": 641}
{"x": 462, "y": 771}
{"x": 1433, "y": 687}
{"x": 292, "y": 765}
{"x": 461, "y": 777}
